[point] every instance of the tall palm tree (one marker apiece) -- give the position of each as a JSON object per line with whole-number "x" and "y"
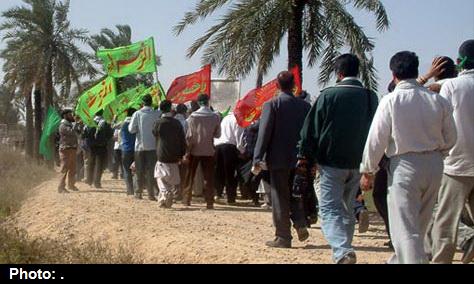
{"x": 109, "y": 39}
{"x": 250, "y": 34}
{"x": 42, "y": 27}
{"x": 20, "y": 75}
{"x": 39, "y": 31}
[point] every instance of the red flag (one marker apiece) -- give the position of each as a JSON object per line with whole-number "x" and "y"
{"x": 188, "y": 88}
{"x": 249, "y": 109}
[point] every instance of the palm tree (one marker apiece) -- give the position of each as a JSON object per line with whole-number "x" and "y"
{"x": 108, "y": 39}
{"x": 42, "y": 27}
{"x": 20, "y": 74}
{"x": 40, "y": 31}
{"x": 250, "y": 34}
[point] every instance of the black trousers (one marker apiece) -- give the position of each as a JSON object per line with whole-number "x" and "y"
{"x": 281, "y": 193}
{"x": 117, "y": 165}
{"x": 145, "y": 162}
{"x": 380, "y": 196}
{"x": 227, "y": 163}
{"x": 127, "y": 161}
{"x": 97, "y": 163}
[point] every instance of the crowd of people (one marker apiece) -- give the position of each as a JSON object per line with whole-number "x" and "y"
{"x": 414, "y": 148}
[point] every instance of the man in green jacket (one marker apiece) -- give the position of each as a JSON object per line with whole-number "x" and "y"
{"x": 333, "y": 137}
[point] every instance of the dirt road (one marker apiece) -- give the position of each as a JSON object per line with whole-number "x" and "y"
{"x": 180, "y": 235}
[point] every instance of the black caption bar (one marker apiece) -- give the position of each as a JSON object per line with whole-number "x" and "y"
{"x": 211, "y": 273}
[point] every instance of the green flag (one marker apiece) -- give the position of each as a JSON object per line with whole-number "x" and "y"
{"x": 100, "y": 96}
{"x": 227, "y": 112}
{"x": 138, "y": 58}
{"x": 51, "y": 125}
{"x": 118, "y": 107}
{"x": 157, "y": 93}
{"x": 83, "y": 111}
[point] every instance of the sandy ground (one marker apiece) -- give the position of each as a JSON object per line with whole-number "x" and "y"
{"x": 181, "y": 235}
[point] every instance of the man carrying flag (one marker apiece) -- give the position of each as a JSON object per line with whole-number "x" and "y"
{"x": 67, "y": 152}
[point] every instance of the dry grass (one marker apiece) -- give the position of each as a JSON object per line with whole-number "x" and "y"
{"x": 17, "y": 248}
{"x": 18, "y": 177}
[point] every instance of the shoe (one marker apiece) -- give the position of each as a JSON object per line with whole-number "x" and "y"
{"x": 349, "y": 258}
{"x": 363, "y": 222}
{"x": 138, "y": 196}
{"x": 231, "y": 203}
{"x": 74, "y": 189}
{"x": 98, "y": 186}
{"x": 468, "y": 253}
{"x": 63, "y": 190}
{"x": 152, "y": 198}
{"x": 279, "y": 243}
{"x": 162, "y": 204}
{"x": 266, "y": 207}
{"x": 210, "y": 207}
{"x": 169, "y": 203}
{"x": 303, "y": 234}
{"x": 389, "y": 245}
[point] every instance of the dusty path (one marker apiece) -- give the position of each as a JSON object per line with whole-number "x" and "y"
{"x": 194, "y": 235}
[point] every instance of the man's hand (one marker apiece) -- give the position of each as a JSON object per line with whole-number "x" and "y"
{"x": 256, "y": 169}
{"x": 437, "y": 68}
{"x": 186, "y": 160}
{"x": 367, "y": 182}
{"x": 302, "y": 163}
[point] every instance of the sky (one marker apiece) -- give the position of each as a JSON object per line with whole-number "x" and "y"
{"x": 427, "y": 27}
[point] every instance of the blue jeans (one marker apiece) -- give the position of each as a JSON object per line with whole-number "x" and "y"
{"x": 127, "y": 161}
{"x": 338, "y": 192}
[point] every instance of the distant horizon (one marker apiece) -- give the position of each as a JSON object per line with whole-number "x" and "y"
{"x": 427, "y": 27}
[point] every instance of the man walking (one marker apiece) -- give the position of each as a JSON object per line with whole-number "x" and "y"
{"x": 457, "y": 186}
{"x": 228, "y": 148}
{"x": 415, "y": 128}
{"x": 99, "y": 138}
{"x": 170, "y": 150}
{"x": 141, "y": 124}
{"x": 280, "y": 125}
{"x": 67, "y": 152}
{"x": 203, "y": 127}
{"x": 128, "y": 151}
{"x": 333, "y": 137}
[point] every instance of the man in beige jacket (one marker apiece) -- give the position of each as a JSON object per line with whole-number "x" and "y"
{"x": 203, "y": 127}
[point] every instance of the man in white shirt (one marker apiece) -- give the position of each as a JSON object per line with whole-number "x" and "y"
{"x": 415, "y": 128}
{"x": 458, "y": 180}
{"x": 228, "y": 148}
{"x": 145, "y": 147}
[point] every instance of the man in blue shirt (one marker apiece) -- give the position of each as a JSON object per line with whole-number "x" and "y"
{"x": 128, "y": 151}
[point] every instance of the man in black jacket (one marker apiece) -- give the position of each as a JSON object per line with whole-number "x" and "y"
{"x": 279, "y": 133}
{"x": 171, "y": 148}
{"x": 98, "y": 139}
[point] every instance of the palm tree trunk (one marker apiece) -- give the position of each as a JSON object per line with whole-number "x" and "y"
{"x": 29, "y": 123}
{"x": 48, "y": 102}
{"x": 38, "y": 121}
{"x": 295, "y": 36}
{"x": 48, "y": 86}
{"x": 259, "y": 79}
